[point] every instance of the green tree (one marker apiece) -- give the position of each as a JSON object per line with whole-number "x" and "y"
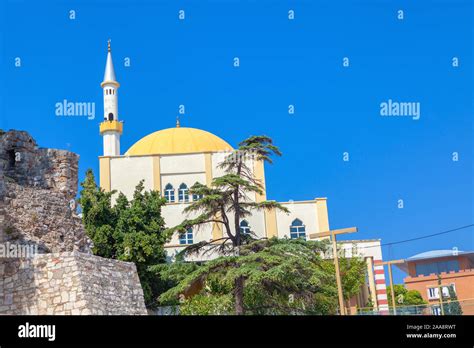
{"x": 225, "y": 203}
{"x": 452, "y": 307}
{"x": 131, "y": 231}
{"x": 405, "y": 297}
{"x": 282, "y": 276}
{"x": 353, "y": 271}
{"x": 98, "y": 216}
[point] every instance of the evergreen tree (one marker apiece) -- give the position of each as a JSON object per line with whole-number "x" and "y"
{"x": 225, "y": 203}
{"x": 453, "y": 307}
{"x": 253, "y": 276}
{"x": 282, "y": 276}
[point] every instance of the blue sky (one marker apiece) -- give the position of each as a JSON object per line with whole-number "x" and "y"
{"x": 282, "y": 62}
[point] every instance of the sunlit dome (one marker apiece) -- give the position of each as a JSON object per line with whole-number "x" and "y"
{"x": 178, "y": 140}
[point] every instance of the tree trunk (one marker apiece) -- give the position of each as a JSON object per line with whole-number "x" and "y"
{"x": 239, "y": 296}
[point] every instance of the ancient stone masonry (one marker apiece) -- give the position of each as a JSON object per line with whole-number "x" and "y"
{"x": 71, "y": 283}
{"x": 38, "y": 188}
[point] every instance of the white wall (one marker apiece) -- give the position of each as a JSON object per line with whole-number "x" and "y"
{"x": 177, "y": 179}
{"x": 305, "y": 211}
{"x": 111, "y": 141}
{"x": 362, "y": 248}
{"x": 257, "y": 223}
{"x": 217, "y": 158}
{"x": 173, "y": 215}
{"x": 126, "y": 173}
{"x": 172, "y": 164}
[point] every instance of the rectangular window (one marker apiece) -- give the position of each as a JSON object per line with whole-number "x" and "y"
{"x": 433, "y": 293}
{"x": 196, "y": 197}
{"x": 186, "y": 238}
{"x": 183, "y": 196}
{"x": 297, "y": 232}
{"x": 169, "y": 195}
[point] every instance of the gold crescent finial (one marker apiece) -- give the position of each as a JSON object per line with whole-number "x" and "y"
{"x": 177, "y": 122}
{"x": 108, "y": 46}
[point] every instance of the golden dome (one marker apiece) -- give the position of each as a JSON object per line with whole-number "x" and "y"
{"x": 178, "y": 140}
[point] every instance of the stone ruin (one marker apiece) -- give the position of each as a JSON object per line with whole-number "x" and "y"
{"x": 38, "y": 189}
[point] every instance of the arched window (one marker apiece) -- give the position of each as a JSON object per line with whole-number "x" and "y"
{"x": 169, "y": 193}
{"x": 183, "y": 193}
{"x": 244, "y": 227}
{"x": 111, "y": 116}
{"x": 297, "y": 229}
{"x": 195, "y": 196}
{"x": 186, "y": 237}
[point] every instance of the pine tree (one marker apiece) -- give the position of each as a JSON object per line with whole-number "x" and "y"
{"x": 282, "y": 276}
{"x": 253, "y": 276}
{"x": 453, "y": 307}
{"x": 225, "y": 203}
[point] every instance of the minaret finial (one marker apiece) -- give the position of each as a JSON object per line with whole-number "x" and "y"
{"x": 177, "y": 122}
{"x": 108, "y": 46}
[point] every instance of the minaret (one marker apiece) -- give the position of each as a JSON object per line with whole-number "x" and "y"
{"x": 110, "y": 128}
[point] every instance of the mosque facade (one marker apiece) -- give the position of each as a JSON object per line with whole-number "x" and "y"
{"x": 171, "y": 161}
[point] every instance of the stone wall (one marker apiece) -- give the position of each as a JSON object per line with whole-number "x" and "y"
{"x": 70, "y": 283}
{"x": 37, "y": 192}
{"x": 38, "y": 188}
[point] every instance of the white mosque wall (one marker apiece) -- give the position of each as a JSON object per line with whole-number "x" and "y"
{"x": 305, "y": 211}
{"x": 173, "y": 215}
{"x": 217, "y": 158}
{"x": 189, "y": 163}
{"x": 126, "y": 173}
{"x": 257, "y": 224}
{"x": 182, "y": 178}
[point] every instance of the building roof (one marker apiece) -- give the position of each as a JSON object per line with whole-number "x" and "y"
{"x": 179, "y": 140}
{"x": 109, "y": 74}
{"x": 433, "y": 254}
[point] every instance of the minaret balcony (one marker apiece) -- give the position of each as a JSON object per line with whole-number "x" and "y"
{"x": 108, "y": 126}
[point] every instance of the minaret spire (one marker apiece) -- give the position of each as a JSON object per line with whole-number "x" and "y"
{"x": 111, "y": 128}
{"x": 109, "y": 74}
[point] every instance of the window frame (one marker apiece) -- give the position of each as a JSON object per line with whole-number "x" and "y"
{"x": 297, "y": 231}
{"x": 186, "y": 238}
{"x": 169, "y": 189}
{"x": 183, "y": 194}
{"x": 244, "y": 229}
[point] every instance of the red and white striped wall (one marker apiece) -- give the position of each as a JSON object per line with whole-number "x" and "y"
{"x": 380, "y": 287}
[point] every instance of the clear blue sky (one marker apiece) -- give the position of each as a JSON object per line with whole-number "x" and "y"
{"x": 283, "y": 62}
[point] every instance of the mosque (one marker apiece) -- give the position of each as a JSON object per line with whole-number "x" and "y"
{"x": 172, "y": 160}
